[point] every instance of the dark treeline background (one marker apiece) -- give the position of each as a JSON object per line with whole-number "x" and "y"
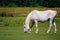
{"x": 29, "y": 3}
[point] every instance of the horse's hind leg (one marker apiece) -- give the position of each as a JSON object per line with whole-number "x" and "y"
{"x": 52, "y": 22}
{"x": 50, "y": 26}
{"x": 55, "y": 26}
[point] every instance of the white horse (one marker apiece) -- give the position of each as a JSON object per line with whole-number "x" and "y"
{"x": 35, "y": 16}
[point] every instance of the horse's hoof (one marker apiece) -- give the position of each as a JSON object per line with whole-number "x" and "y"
{"x": 29, "y": 32}
{"x": 55, "y": 32}
{"x": 36, "y": 32}
{"x": 47, "y": 32}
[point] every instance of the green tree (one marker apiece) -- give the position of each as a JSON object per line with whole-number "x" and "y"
{"x": 30, "y": 3}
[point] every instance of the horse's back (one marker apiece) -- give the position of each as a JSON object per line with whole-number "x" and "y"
{"x": 39, "y": 15}
{"x": 42, "y": 15}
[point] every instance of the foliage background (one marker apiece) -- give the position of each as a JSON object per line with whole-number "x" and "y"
{"x": 30, "y": 3}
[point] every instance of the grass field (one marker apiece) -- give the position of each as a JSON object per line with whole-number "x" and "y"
{"x": 11, "y": 28}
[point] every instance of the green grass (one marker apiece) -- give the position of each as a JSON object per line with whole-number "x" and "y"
{"x": 11, "y": 28}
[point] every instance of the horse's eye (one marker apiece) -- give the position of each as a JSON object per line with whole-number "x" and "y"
{"x": 24, "y": 27}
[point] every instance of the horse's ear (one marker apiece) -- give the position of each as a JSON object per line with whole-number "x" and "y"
{"x": 24, "y": 23}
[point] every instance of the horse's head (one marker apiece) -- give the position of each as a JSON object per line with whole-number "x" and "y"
{"x": 26, "y": 28}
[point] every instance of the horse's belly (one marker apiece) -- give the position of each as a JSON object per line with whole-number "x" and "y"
{"x": 43, "y": 18}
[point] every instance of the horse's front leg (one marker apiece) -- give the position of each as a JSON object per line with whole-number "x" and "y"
{"x": 36, "y": 23}
{"x": 30, "y": 30}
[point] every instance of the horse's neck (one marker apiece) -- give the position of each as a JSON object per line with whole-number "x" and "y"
{"x": 27, "y": 21}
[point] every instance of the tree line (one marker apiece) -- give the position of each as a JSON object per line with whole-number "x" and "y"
{"x": 29, "y": 3}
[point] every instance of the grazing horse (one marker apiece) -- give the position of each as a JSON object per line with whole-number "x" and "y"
{"x": 40, "y": 16}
